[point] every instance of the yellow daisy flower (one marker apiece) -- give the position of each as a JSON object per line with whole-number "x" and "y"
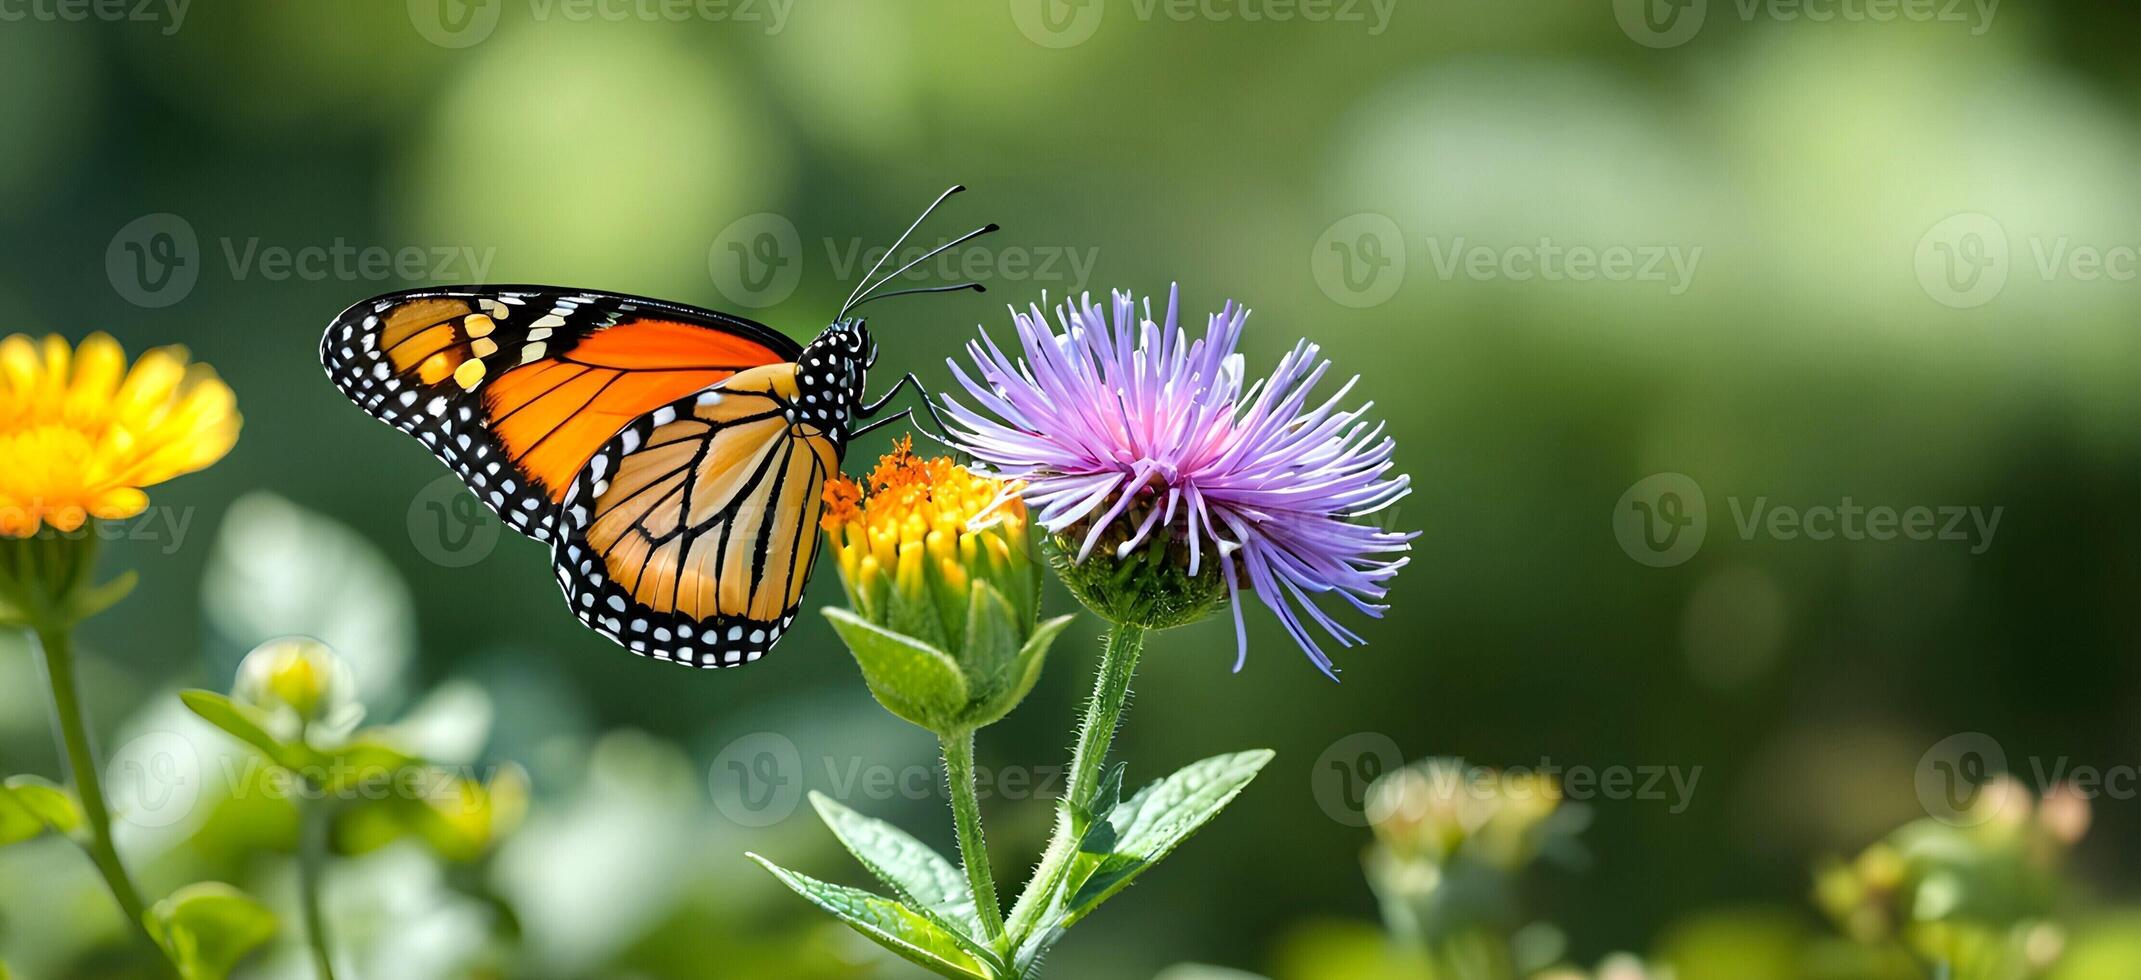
{"x": 923, "y": 526}
{"x": 81, "y": 434}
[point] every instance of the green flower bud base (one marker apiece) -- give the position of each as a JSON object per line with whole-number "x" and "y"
{"x": 1150, "y": 588}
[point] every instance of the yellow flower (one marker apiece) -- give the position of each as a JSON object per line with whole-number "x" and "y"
{"x": 81, "y": 435}
{"x": 945, "y": 596}
{"x": 926, "y": 527}
{"x": 298, "y": 674}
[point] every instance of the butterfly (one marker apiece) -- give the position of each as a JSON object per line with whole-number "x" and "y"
{"x": 673, "y": 458}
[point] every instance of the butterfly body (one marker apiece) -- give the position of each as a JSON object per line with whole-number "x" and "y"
{"x": 673, "y": 458}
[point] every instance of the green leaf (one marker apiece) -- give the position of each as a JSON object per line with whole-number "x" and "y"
{"x": 91, "y": 600}
{"x": 207, "y": 928}
{"x": 918, "y": 875}
{"x": 365, "y": 764}
{"x": 1150, "y": 825}
{"x": 53, "y": 805}
{"x": 990, "y": 638}
{"x": 17, "y": 823}
{"x": 911, "y": 679}
{"x": 1027, "y": 670}
{"x": 887, "y": 923}
{"x": 244, "y": 723}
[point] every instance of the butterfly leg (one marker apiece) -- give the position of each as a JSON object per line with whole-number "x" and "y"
{"x": 871, "y": 409}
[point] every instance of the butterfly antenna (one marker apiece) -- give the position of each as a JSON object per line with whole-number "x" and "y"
{"x": 932, "y": 253}
{"x": 859, "y": 287}
{"x": 955, "y": 287}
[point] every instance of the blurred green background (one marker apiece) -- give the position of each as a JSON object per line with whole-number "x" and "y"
{"x": 1841, "y": 332}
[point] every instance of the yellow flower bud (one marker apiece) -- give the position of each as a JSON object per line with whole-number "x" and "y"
{"x": 960, "y": 583}
{"x": 297, "y": 675}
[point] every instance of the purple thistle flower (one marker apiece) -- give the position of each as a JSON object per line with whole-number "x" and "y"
{"x": 1112, "y": 413}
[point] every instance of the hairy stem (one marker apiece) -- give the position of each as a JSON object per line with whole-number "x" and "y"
{"x": 973, "y": 848}
{"x": 1111, "y": 691}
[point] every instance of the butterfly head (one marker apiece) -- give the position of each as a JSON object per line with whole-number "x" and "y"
{"x": 830, "y": 375}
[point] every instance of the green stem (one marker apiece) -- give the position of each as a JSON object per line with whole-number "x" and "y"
{"x": 56, "y": 642}
{"x": 973, "y": 849}
{"x": 311, "y": 857}
{"x": 1111, "y": 690}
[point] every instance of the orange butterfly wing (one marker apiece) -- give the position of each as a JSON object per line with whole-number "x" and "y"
{"x": 690, "y": 536}
{"x": 517, "y": 387}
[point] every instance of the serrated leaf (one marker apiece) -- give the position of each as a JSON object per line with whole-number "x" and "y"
{"x": 1109, "y": 794}
{"x": 242, "y": 722}
{"x": 1151, "y": 824}
{"x": 916, "y": 873}
{"x": 207, "y": 928}
{"x": 911, "y": 679}
{"x": 52, "y": 804}
{"x": 887, "y": 923}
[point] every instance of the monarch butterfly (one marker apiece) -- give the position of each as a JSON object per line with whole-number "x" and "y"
{"x": 674, "y": 458}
